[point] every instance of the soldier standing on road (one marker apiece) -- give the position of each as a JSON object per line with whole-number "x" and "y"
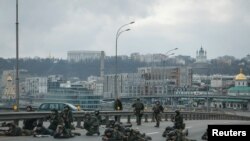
{"x": 67, "y": 117}
{"x": 54, "y": 120}
{"x": 117, "y": 107}
{"x": 98, "y": 116}
{"x": 157, "y": 109}
{"x": 138, "y": 109}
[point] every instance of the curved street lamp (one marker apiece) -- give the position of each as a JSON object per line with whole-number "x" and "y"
{"x": 166, "y": 77}
{"x": 171, "y": 50}
{"x": 118, "y": 33}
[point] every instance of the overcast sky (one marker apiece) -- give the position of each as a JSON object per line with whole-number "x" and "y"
{"x": 54, "y": 27}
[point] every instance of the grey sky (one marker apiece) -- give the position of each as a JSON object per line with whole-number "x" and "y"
{"x": 54, "y": 27}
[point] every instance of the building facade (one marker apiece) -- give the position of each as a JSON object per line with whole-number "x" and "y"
{"x": 148, "y": 81}
{"x": 9, "y": 89}
{"x": 36, "y": 85}
{"x": 201, "y": 56}
{"x": 77, "y": 56}
{"x": 241, "y": 86}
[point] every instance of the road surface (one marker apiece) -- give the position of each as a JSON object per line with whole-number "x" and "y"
{"x": 196, "y": 129}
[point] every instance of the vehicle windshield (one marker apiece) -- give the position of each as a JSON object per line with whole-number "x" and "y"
{"x": 72, "y": 107}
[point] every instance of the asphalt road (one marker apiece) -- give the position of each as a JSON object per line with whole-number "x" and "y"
{"x": 196, "y": 129}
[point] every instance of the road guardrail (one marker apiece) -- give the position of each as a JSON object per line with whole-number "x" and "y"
{"x": 147, "y": 116}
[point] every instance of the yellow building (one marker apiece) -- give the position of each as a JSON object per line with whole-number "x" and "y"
{"x": 9, "y": 90}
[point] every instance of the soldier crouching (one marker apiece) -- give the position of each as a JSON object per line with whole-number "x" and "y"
{"x": 91, "y": 124}
{"x": 111, "y": 135}
{"x": 13, "y": 130}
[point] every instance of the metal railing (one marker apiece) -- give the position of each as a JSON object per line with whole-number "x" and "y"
{"x": 127, "y": 115}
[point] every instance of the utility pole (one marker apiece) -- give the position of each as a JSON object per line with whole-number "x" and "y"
{"x": 17, "y": 59}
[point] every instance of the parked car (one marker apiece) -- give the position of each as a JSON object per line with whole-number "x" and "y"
{"x": 48, "y": 106}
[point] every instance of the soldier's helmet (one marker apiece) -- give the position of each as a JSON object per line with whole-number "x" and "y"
{"x": 39, "y": 124}
{"x": 10, "y": 124}
{"x": 172, "y": 133}
{"x": 28, "y": 108}
{"x": 66, "y": 107}
{"x": 116, "y": 125}
{"x": 157, "y": 102}
{"x": 97, "y": 112}
{"x": 108, "y": 131}
{"x": 177, "y": 111}
{"x": 60, "y": 126}
{"x": 127, "y": 130}
{"x": 87, "y": 115}
{"x": 138, "y": 99}
{"x": 55, "y": 111}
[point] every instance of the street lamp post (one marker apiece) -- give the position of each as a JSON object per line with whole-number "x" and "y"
{"x": 207, "y": 90}
{"x": 17, "y": 59}
{"x": 165, "y": 69}
{"x": 207, "y": 85}
{"x": 118, "y": 33}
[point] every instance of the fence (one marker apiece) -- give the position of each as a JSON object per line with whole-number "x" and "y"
{"x": 147, "y": 116}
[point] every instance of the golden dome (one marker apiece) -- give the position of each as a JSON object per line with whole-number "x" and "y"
{"x": 240, "y": 76}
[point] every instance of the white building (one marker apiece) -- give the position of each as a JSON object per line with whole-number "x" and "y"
{"x": 77, "y": 56}
{"x": 221, "y": 81}
{"x": 36, "y": 85}
{"x": 201, "y": 56}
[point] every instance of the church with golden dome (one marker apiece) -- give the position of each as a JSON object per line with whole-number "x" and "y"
{"x": 240, "y": 79}
{"x": 241, "y": 87}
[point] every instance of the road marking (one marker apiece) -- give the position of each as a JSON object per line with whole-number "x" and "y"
{"x": 152, "y": 133}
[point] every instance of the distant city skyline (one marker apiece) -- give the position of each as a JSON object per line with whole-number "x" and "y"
{"x": 53, "y": 27}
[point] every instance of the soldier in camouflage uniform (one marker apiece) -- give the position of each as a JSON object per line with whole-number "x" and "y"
{"x": 205, "y": 136}
{"x": 177, "y": 135}
{"x": 54, "y": 119}
{"x": 41, "y": 130}
{"x": 133, "y": 135}
{"x": 111, "y": 135}
{"x": 130, "y": 136}
{"x": 119, "y": 127}
{"x": 138, "y": 110}
{"x": 29, "y": 124}
{"x": 98, "y": 116}
{"x": 91, "y": 124}
{"x": 61, "y": 130}
{"x": 13, "y": 130}
{"x": 67, "y": 117}
{"x": 157, "y": 109}
{"x": 178, "y": 120}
